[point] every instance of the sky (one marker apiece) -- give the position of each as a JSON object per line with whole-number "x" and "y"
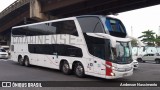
{"x": 135, "y": 21}
{"x": 140, "y": 20}
{"x": 5, "y": 3}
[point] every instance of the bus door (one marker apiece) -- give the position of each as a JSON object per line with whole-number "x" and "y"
{"x": 100, "y": 67}
{"x": 99, "y": 52}
{"x": 90, "y": 65}
{"x": 55, "y": 58}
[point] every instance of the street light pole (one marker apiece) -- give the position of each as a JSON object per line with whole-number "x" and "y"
{"x": 131, "y": 31}
{"x": 159, "y": 31}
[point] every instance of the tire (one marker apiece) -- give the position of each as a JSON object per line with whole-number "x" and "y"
{"x": 65, "y": 68}
{"x": 143, "y": 61}
{"x": 79, "y": 70}
{"x": 21, "y": 61}
{"x": 26, "y": 62}
{"x": 157, "y": 61}
{"x": 139, "y": 60}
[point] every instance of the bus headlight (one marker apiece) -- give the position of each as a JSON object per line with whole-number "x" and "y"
{"x": 113, "y": 74}
{"x": 114, "y": 68}
{"x": 111, "y": 67}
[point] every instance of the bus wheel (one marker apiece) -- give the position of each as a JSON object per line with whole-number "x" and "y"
{"x": 79, "y": 70}
{"x": 20, "y": 60}
{"x": 65, "y": 68}
{"x": 26, "y": 61}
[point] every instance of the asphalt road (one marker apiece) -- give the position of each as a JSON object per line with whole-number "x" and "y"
{"x": 11, "y": 71}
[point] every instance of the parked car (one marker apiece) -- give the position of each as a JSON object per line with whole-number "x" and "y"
{"x": 6, "y": 48}
{"x": 150, "y": 57}
{"x": 138, "y": 52}
{"x": 3, "y": 54}
{"x": 135, "y": 64}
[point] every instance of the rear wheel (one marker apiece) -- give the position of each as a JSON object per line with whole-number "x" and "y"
{"x": 79, "y": 70}
{"x": 20, "y": 60}
{"x": 26, "y": 62}
{"x": 65, "y": 68}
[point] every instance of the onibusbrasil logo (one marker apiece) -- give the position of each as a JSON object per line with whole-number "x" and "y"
{"x": 21, "y": 84}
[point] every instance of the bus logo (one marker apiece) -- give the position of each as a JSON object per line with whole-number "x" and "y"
{"x": 6, "y": 84}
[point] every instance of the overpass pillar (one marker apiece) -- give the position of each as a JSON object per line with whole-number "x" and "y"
{"x": 35, "y": 11}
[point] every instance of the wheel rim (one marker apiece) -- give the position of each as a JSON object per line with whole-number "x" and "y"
{"x": 79, "y": 70}
{"x": 20, "y": 60}
{"x": 26, "y": 62}
{"x": 65, "y": 68}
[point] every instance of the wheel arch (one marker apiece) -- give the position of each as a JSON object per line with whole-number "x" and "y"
{"x": 26, "y": 56}
{"x": 19, "y": 56}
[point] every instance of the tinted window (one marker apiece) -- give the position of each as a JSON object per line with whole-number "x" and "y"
{"x": 91, "y": 24}
{"x": 35, "y": 30}
{"x": 66, "y": 50}
{"x": 2, "y": 50}
{"x": 49, "y": 49}
{"x": 65, "y": 27}
{"x": 62, "y": 27}
{"x": 98, "y": 47}
{"x": 41, "y": 49}
{"x": 151, "y": 54}
{"x": 146, "y": 55}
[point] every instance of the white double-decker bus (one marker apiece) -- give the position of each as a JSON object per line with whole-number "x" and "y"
{"x": 86, "y": 45}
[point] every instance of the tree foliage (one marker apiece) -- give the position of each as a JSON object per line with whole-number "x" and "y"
{"x": 157, "y": 40}
{"x": 148, "y": 38}
{"x": 134, "y": 42}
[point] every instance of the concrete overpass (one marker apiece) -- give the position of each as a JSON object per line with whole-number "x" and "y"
{"x": 30, "y": 11}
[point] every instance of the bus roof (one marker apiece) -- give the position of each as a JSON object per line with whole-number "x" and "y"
{"x": 69, "y": 18}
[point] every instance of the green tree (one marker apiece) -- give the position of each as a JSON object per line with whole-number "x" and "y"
{"x": 148, "y": 37}
{"x": 157, "y": 40}
{"x": 134, "y": 42}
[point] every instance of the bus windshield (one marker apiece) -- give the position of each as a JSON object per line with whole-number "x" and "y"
{"x": 122, "y": 53}
{"x": 115, "y": 27}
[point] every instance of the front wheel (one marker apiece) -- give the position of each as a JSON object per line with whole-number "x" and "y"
{"x": 65, "y": 68}
{"x": 157, "y": 61}
{"x": 139, "y": 60}
{"x": 79, "y": 70}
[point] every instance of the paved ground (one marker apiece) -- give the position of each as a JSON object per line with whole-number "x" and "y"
{"x": 11, "y": 71}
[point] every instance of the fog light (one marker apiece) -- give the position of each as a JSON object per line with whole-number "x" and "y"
{"x": 113, "y": 74}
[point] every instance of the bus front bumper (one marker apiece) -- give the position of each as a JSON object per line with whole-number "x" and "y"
{"x": 117, "y": 74}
